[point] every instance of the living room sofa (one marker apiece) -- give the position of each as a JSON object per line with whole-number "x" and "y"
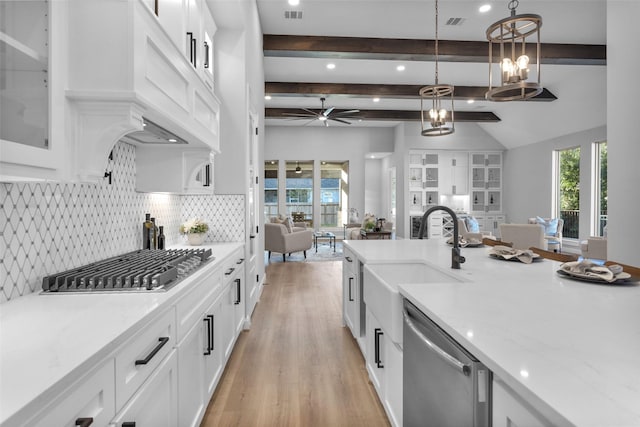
{"x": 277, "y": 238}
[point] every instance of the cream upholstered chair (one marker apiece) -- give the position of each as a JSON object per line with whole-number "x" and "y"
{"x": 594, "y": 248}
{"x": 523, "y": 236}
{"x": 277, "y": 238}
{"x": 464, "y": 232}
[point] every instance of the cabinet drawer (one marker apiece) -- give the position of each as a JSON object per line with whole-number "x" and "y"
{"x": 141, "y": 354}
{"x": 92, "y": 397}
{"x": 232, "y": 265}
{"x": 190, "y": 308}
{"x": 349, "y": 263}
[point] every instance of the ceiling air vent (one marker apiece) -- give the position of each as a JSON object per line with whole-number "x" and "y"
{"x": 455, "y": 21}
{"x": 292, "y": 14}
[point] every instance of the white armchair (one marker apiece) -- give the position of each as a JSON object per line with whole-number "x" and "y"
{"x": 277, "y": 238}
{"x": 523, "y": 236}
{"x": 594, "y": 248}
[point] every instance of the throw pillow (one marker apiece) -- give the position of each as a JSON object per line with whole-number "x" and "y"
{"x": 472, "y": 225}
{"x": 550, "y": 226}
{"x": 289, "y": 224}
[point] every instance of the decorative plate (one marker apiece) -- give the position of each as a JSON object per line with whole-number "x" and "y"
{"x": 620, "y": 277}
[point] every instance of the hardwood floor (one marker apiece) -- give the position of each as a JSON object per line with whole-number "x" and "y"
{"x": 297, "y": 366}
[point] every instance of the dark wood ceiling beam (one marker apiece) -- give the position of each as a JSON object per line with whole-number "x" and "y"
{"x": 391, "y": 115}
{"x": 419, "y": 50}
{"x": 377, "y": 90}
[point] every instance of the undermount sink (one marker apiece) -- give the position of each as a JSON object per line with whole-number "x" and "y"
{"x": 380, "y": 290}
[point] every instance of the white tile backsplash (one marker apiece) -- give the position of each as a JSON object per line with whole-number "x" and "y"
{"x": 46, "y": 228}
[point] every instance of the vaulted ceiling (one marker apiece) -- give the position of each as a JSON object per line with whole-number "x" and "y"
{"x": 368, "y": 39}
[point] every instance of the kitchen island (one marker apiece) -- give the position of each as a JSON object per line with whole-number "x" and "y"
{"x": 565, "y": 348}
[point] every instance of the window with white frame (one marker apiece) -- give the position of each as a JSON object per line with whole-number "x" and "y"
{"x": 567, "y": 190}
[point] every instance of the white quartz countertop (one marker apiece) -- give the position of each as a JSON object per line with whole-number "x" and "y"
{"x": 53, "y": 338}
{"x": 569, "y": 348}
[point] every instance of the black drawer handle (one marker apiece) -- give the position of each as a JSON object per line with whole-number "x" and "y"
{"x": 378, "y": 333}
{"x": 162, "y": 342}
{"x": 231, "y": 270}
{"x": 206, "y": 55}
{"x": 240, "y": 261}
{"x": 84, "y": 422}
{"x": 350, "y": 297}
{"x": 129, "y": 424}
{"x": 237, "y": 291}
{"x": 348, "y": 259}
{"x": 208, "y": 321}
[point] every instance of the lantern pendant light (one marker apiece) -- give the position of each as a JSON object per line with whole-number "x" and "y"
{"x": 298, "y": 168}
{"x": 508, "y": 40}
{"x": 434, "y": 100}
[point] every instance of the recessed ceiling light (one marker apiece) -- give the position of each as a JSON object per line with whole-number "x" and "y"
{"x": 173, "y": 140}
{"x": 400, "y": 68}
{"x": 294, "y": 2}
{"x": 484, "y": 8}
{"x": 331, "y": 66}
{"x": 376, "y": 99}
{"x": 470, "y": 101}
{"x": 267, "y": 97}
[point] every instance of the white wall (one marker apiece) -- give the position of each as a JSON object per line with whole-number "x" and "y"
{"x": 332, "y": 144}
{"x": 528, "y": 177}
{"x": 373, "y": 188}
{"x": 622, "y": 131}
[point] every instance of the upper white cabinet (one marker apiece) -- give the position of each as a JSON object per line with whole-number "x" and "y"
{"x": 178, "y": 171}
{"x": 424, "y": 180}
{"x": 486, "y": 182}
{"x": 454, "y": 176}
{"x": 111, "y": 65}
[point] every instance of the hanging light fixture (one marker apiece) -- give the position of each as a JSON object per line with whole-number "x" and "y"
{"x": 298, "y": 168}
{"x": 433, "y": 102}
{"x": 508, "y": 40}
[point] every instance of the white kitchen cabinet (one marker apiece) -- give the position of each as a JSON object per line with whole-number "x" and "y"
{"x": 142, "y": 354}
{"x": 93, "y": 398}
{"x": 384, "y": 365}
{"x": 174, "y": 170}
{"x": 424, "y": 180}
{"x": 510, "y": 410}
{"x": 491, "y": 223}
{"x": 104, "y": 100}
{"x": 353, "y": 313}
{"x": 454, "y": 172}
{"x": 233, "y": 307}
{"x": 199, "y": 365}
{"x": 486, "y": 182}
{"x": 435, "y": 229}
{"x": 156, "y": 402}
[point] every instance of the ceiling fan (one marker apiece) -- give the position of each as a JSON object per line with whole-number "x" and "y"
{"x": 324, "y": 115}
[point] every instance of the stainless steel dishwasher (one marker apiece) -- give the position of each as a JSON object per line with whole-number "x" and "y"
{"x": 444, "y": 385}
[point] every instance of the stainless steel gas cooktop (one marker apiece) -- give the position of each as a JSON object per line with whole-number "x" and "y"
{"x": 138, "y": 271}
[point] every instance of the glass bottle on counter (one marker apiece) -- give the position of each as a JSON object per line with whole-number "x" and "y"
{"x": 161, "y": 237}
{"x": 154, "y": 235}
{"x": 147, "y": 227}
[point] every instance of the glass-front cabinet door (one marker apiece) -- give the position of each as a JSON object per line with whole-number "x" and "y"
{"x": 24, "y": 77}
{"x": 424, "y": 180}
{"x": 486, "y": 182}
{"x": 29, "y": 150}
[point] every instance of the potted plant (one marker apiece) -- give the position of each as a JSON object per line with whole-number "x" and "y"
{"x": 195, "y": 229}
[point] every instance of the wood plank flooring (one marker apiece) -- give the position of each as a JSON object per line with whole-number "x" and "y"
{"x": 297, "y": 366}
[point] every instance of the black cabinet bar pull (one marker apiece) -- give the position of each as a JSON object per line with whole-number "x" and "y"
{"x": 194, "y": 49}
{"x": 129, "y": 424}
{"x": 231, "y": 270}
{"x": 240, "y": 261}
{"x": 213, "y": 324}
{"x": 348, "y": 259}
{"x": 378, "y": 333}
{"x": 206, "y": 55}
{"x": 237, "y": 291}
{"x": 162, "y": 342}
{"x": 207, "y": 320}
{"x": 84, "y": 422}
{"x": 155, "y": 8}
{"x": 190, "y": 35}
{"x": 350, "y": 297}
